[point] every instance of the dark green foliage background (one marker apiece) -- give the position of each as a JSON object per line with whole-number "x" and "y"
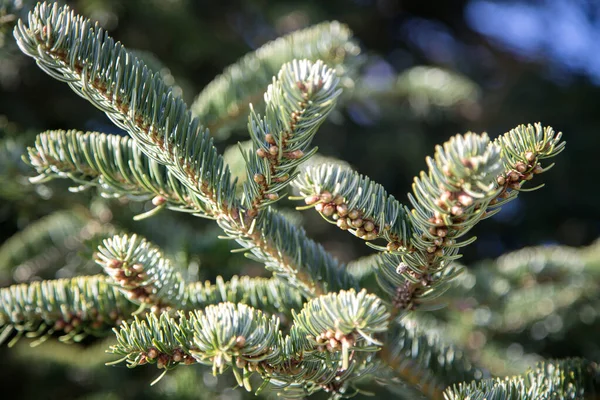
{"x": 195, "y": 40}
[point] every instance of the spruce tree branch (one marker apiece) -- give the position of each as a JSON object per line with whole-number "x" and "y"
{"x": 296, "y": 105}
{"x": 563, "y": 379}
{"x": 267, "y": 294}
{"x": 45, "y": 241}
{"x": 333, "y": 339}
{"x": 224, "y": 101}
{"x": 141, "y": 272}
{"x": 419, "y": 357}
{"x": 466, "y": 177}
{"x": 72, "y": 49}
{"x": 118, "y": 168}
{"x": 355, "y": 203}
{"x": 74, "y": 307}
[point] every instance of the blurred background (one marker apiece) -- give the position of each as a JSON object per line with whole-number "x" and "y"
{"x": 428, "y": 70}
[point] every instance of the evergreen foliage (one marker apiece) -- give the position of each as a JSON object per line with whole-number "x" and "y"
{"x": 316, "y": 324}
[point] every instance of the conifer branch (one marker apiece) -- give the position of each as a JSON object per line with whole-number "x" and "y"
{"x": 74, "y": 308}
{"x": 464, "y": 179}
{"x": 267, "y": 294}
{"x": 72, "y": 49}
{"x": 355, "y": 203}
{"x": 421, "y": 358}
{"x": 44, "y": 241}
{"x": 565, "y": 379}
{"x": 330, "y": 339}
{"x": 140, "y": 271}
{"x": 224, "y": 101}
{"x": 282, "y": 138}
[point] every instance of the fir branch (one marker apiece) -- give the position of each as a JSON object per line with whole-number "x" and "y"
{"x": 465, "y": 178}
{"x": 346, "y": 320}
{"x": 297, "y": 104}
{"x": 45, "y": 242}
{"x": 224, "y": 101}
{"x": 140, "y": 271}
{"x": 522, "y": 149}
{"x": 421, "y": 358}
{"x": 557, "y": 380}
{"x": 355, "y": 203}
{"x": 75, "y": 308}
{"x": 267, "y": 294}
{"x": 72, "y": 49}
{"x": 114, "y": 164}
{"x": 237, "y": 336}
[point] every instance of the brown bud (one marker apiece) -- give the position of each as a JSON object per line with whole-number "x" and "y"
{"x": 326, "y": 197}
{"x": 442, "y": 232}
{"x": 521, "y": 167}
{"x": 445, "y": 196}
{"x": 163, "y": 361}
{"x": 360, "y": 232}
{"x": 353, "y": 214}
{"x": 528, "y": 176}
{"x": 393, "y": 246}
{"x": 370, "y": 235}
{"x": 334, "y": 343}
{"x": 368, "y": 226}
{"x": 252, "y": 212}
{"x": 357, "y": 223}
{"x": 240, "y": 341}
{"x": 281, "y": 178}
{"x": 259, "y": 178}
{"x": 240, "y": 363}
{"x": 262, "y": 153}
{"x": 431, "y": 249}
{"x": 328, "y": 210}
{"x": 456, "y": 210}
{"x": 273, "y": 150}
{"x": 178, "y": 355}
{"x": 329, "y": 334}
{"x": 294, "y": 155}
{"x": 311, "y": 199}
{"x": 465, "y": 199}
{"x": 515, "y": 185}
{"x": 439, "y": 253}
{"x": 319, "y": 207}
{"x": 273, "y": 196}
{"x": 538, "y": 169}
{"x": 530, "y": 156}
{"x": 269, "y": 138}
{"x": 342, "y": 210}
{"x": 158, "y": 201}
{"x": 341, "y": 223}
{"x": 188, "y": 360}
{"x": 438, "y": 242}
{"x": 513, "y": 176}
{"x": 338, "y": 200}
{"x": 152, "y": 353}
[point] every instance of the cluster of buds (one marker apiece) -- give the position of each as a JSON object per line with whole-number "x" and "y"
{"x": 164, "y": 360}
{"x": 336, "y": 208}
{"x": 77, "y": 321}
{"x": 405, "y": 293}
{"x": 132, "y": 278}
{"x": 334, "y": 341}
{"x": 513, "y": 178}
